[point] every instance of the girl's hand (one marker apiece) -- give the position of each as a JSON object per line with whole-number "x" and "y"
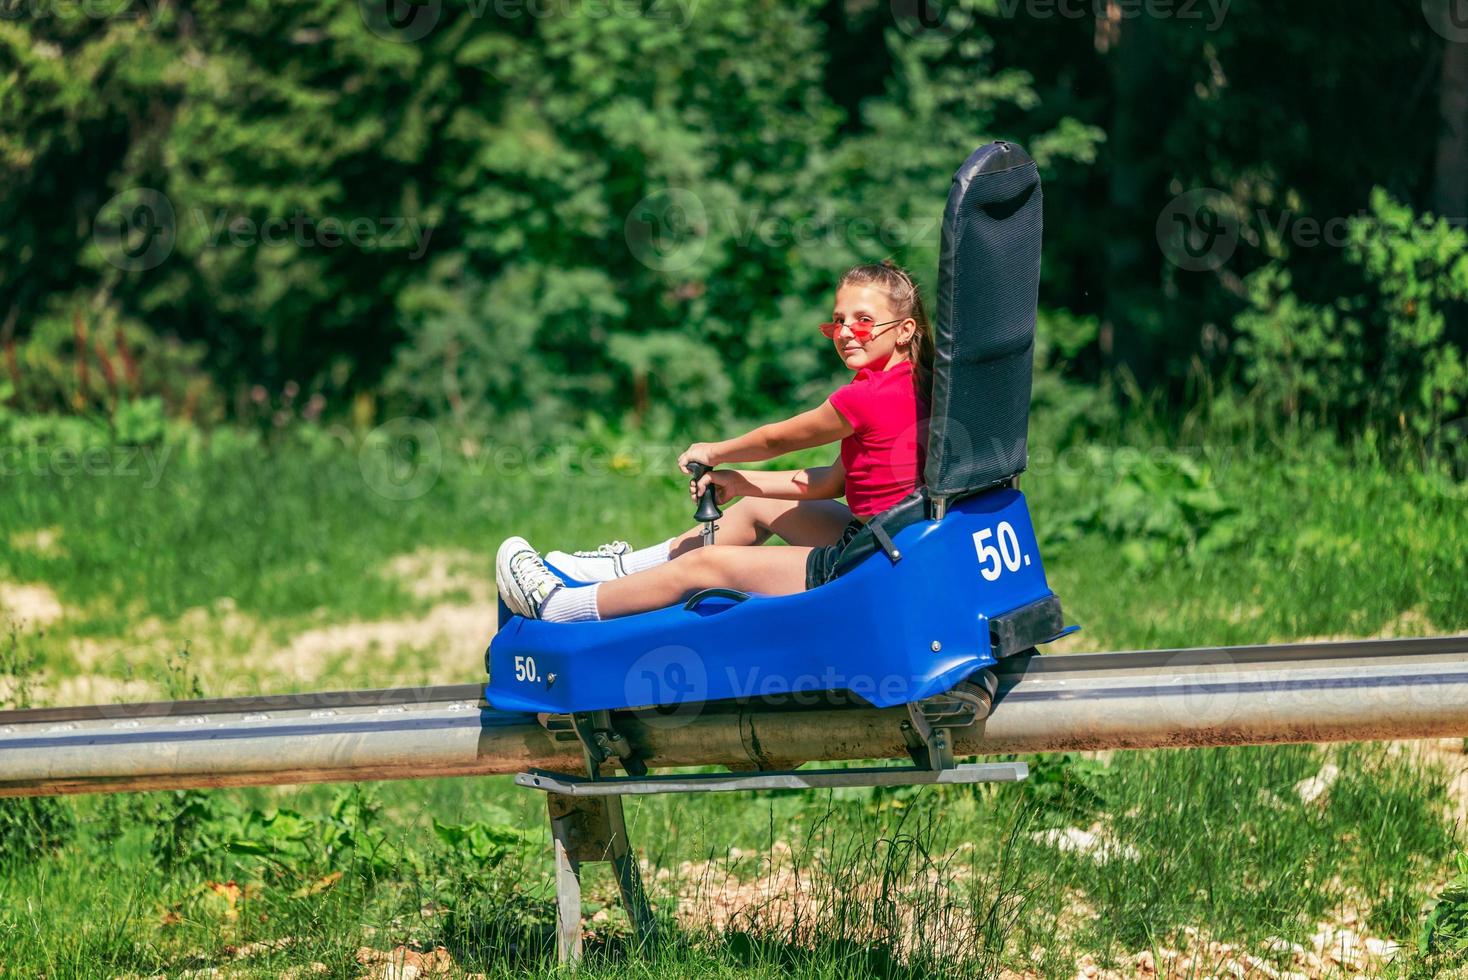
{"x": 699, "y": 452}
{"x": 728, "y": 484}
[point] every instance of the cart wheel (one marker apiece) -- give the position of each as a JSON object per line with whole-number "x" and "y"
{"x": 982, "y": 687}
{"x": 979, "y": 689}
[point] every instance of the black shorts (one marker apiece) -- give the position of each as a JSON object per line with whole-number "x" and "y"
{"x": 821, "y": 562}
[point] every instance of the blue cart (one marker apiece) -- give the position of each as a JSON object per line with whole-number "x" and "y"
{"x": 961, "y": 552}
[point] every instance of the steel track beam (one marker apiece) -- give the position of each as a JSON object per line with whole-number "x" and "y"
{"x": 1342, "y": 691}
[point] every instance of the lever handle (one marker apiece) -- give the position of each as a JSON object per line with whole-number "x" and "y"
{"x": 708, "y": 504}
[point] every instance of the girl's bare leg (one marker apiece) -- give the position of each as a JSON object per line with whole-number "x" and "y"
{"x": 751, "y": 521}
{"x": 772, "y": 571}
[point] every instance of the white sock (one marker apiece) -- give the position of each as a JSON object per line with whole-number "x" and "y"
{"x": 572, "y": 605}
{"x": 645, "y": 558}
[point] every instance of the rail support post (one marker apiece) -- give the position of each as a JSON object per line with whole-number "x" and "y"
{"x": 592, "y": 829}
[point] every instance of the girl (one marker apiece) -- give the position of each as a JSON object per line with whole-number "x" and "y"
{"x": 881, "y": 332}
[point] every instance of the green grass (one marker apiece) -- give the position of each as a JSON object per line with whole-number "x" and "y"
{"x": 1297, "y": 541}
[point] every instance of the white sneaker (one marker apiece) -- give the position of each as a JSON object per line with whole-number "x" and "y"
{"x": 601, "y": 565}
{"x": 525, "y": 583}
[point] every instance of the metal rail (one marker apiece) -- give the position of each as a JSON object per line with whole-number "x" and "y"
{"x": 1341, "y": 691}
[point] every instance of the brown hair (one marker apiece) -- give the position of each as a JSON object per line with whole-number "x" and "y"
{"x": 906, "y": 301}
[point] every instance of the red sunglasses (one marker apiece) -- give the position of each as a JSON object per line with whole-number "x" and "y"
{"x": 861, "y": 328}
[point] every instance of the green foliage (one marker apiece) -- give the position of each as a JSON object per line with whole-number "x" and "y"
{"x": 566, "y": 215}
{"x": 286, "y": 840}
{"x": 211, "y": 835}
{"x": 98, "y": 363}
{"x": 1066, "y": 412}
{"x": 1384, "y": 357}
{"x": 32, "y": 826}
{"x": 523, "y": 220}
{"x": 181, "y": 822}
{"x": 676, "y": 265}
{"x": 1444, "y": 932}
{"x": 140, "y": 423}
{"x": 1159, "y": 506}
{"x": 484, "y": 845}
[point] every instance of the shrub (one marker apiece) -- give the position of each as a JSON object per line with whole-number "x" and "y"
{"x": 96, "y": 362}
{"x": 1445, "y": 931}
{"x": 1386, "y": 356}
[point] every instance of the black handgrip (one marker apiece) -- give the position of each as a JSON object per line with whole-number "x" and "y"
{"x": 708, "y": 504}
{"x": 720, "y": 593}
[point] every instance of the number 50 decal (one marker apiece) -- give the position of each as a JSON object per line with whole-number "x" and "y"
{"x": 525, "y": 669}
{"x": 1007, "y": 556}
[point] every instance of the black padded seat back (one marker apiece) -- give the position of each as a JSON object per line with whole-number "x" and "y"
{"x": 984, "y": 323}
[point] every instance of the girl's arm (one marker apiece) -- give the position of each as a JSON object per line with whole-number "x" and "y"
{"x": 812, "y": 483}
{"x": 813, "y": 428}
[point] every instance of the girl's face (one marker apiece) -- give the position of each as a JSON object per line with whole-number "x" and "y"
{"x": 871, "y": 302}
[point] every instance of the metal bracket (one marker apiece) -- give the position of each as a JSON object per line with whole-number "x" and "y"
{"x": 587, "y": 822}
{"x": 928, "y": 746}
{"x": 600, "y": 741}
{"x": 577, "y": 787}
{"x": 593, "y": 830}
{"x": 926, "y": 731}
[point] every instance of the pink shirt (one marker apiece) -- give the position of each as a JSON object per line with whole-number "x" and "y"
{"x": 883, "y": 457}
